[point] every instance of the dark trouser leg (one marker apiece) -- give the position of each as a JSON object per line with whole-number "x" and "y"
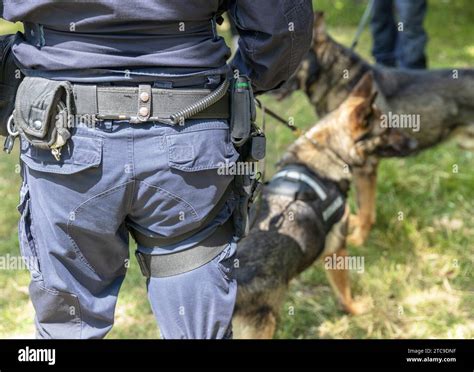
{"x": 384, "y": 31}
{"x": 412, "y": 41}
{"x": 198, "y": 304}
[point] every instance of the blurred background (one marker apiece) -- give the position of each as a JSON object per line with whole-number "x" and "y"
{"x": 419, "y": 272}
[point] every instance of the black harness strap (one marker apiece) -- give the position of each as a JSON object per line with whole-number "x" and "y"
{"x": 300, "y": 183}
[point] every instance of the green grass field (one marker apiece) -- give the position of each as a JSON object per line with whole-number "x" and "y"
{"x": 419, "y": 272}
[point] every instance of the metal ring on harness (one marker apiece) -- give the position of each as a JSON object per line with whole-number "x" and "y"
{"x": 11, "y": 127}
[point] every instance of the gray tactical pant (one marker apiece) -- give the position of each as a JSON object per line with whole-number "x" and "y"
{"x": 73, "y": 227}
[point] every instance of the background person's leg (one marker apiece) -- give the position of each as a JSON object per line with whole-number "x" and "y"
{"x": 384, "y": 32}
{"x": 412, "y": 41}
{"x": 198, "y": 304}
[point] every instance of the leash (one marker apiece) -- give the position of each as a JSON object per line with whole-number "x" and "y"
{"x": 265, "y": 110}
{"x": 363, "y": 23}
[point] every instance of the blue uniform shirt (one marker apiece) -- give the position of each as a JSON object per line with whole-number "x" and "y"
{"x": 105, "y": 40}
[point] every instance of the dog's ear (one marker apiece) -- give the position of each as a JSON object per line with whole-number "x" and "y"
{"x": 365, "y": 88}
{"x": 361, "y": 99}
{"x": 319, "y": 28}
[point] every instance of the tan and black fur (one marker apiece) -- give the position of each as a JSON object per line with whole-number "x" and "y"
{"x": 443, "y": 99}
{"x": 283, "y": 241}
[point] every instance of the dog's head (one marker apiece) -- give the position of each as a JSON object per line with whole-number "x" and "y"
{"x": 355, "y": 131}
{"x": 310, "y": 69}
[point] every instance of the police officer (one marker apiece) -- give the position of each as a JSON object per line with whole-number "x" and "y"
{"x": 128, "y": 66}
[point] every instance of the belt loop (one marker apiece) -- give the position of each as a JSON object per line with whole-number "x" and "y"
{"x": 214, "y": 28}
{"x": 41, "y": 39}
{"x": 145, "y": 99}
{"x": 34, "y": 34}
{"x": 86, "y": 103}
{"x": 144, "y": 266}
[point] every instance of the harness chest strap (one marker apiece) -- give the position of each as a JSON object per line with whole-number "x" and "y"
{"x": 295, "y": 175}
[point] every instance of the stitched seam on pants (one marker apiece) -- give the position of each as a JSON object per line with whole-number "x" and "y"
{"x": 131, "y": 151}
{"x": 174, "y": 197}
{"x": 74, "y": 213}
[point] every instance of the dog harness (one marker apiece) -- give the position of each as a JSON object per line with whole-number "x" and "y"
{"x": 300, "y": 183}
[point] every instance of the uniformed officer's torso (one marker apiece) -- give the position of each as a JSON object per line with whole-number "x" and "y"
{"x": 66, "y": 37}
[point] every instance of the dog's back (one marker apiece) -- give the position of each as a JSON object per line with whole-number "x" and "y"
{"x": 430, "y": 102}
{"x": 437, "y": 100}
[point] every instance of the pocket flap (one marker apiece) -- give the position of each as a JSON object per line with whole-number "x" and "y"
{"x": 79, "y": 153}
{"x": 201, "y": 150}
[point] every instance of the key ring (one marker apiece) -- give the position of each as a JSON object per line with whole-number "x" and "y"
{"x": 12, "y": 131}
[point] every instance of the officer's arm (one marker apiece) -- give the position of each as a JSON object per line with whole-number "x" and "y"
{"x": 274, "y": 37}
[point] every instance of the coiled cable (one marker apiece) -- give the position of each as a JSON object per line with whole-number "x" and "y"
{"x": 200, "y": 105}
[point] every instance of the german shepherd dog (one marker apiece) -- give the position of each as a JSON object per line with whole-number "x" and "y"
{"x": 426, "y": 105}
{"x": 288, "y": 235}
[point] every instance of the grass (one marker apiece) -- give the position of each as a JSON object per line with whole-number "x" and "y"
{"x": 419, "y": 271}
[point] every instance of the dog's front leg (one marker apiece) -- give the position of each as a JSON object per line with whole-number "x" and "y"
{"x": 365, "y": 181}
{"x": 340, "y": 283}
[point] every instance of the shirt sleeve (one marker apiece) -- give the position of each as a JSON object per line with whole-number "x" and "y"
{"x": 274, "y": 35}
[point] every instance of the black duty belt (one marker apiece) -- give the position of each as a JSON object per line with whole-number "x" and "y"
{"x": 143, "y": 103}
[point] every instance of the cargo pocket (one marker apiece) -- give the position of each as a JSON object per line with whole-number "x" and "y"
{"x": 57, "y": 312}
{"x": 199, "y": 160}
{"x": 206, "y": 149}
{"x": 27, "y": 243}
{"x": 79, "y": 153}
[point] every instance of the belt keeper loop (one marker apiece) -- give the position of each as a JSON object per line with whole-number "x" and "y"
{"x": 144, "y": 267}
{"x": 145, "y": 98}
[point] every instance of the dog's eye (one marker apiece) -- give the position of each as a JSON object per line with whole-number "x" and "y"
{"x": 369, "y": 119}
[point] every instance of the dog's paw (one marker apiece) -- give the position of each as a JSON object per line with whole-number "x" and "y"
{"x": 359, "y": 307}
{"x": 358, "y": 237}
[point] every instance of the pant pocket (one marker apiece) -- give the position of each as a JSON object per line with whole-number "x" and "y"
{"x": 57, "y": 313}
{"x": 199, "y": 163}
{"x": 28, "y": 248}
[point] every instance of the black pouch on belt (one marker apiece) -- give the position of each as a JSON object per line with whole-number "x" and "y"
{"x": 250, "y": 142}
{"x": 243, "y": 111}
{"x": 42, "y": 112}
{"x": 10, "y": 79}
